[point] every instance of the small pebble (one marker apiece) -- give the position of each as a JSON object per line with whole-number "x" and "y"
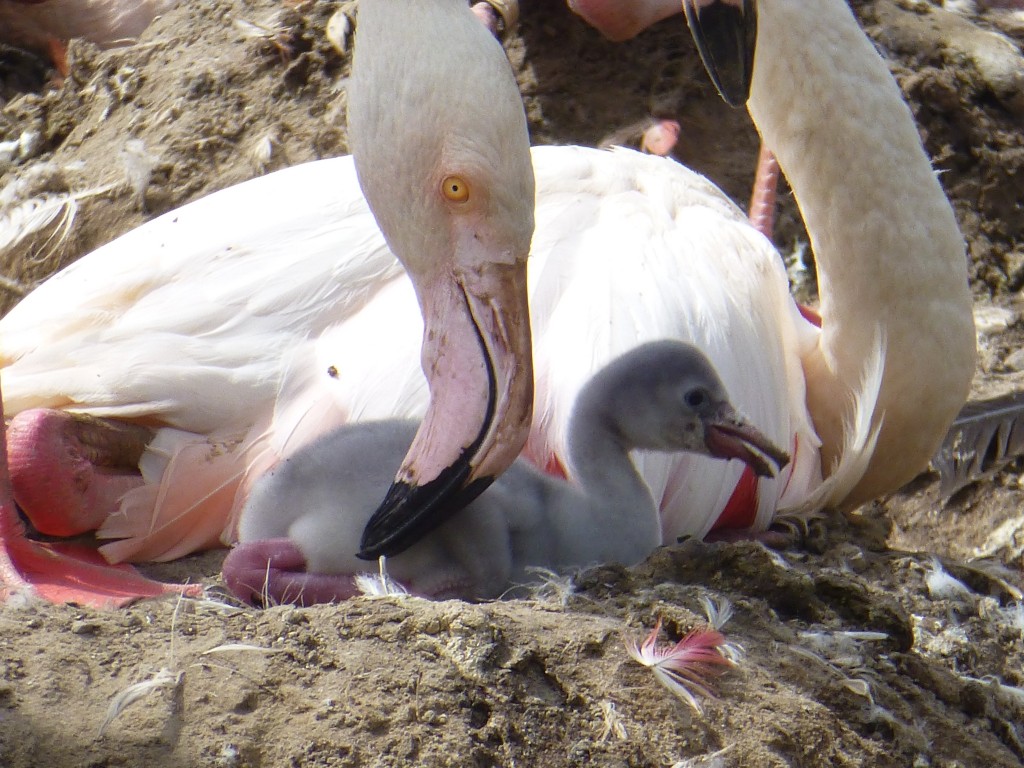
{"x": 1014, "y": 361}
{"x": 990, "y": 319}
{"x": 339, "y": 32}
{"x": 82, "y": 627}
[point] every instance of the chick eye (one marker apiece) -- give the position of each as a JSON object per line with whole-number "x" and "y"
{"x": 696, "y": 398}
{"x": 455, "y": 189}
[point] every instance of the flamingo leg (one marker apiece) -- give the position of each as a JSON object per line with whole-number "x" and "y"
{"x": 63, "y": 572}
{"x": 618, "y": 20}
{"x": 763, "y": 200}
{"x": 273, "y": 572}
{"x": 765, "y": 193}
{"x": 58, "y": 52}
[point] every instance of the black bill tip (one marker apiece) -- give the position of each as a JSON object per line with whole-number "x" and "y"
{"x": 410, "y": 512}
{"x": 726, "y": 35}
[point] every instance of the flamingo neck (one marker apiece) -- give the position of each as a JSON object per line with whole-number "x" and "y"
{"x": 892, "y": 272}
{"x": 607, "y": 489}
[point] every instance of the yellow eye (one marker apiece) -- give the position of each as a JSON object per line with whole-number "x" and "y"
{"x": 455, "y": 189}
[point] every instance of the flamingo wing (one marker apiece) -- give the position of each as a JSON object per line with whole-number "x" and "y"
{"x": 631, "y": 248}
{"x": 186, "y": 320}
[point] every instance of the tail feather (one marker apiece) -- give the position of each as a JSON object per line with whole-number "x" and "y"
{"x": 860, "y": 437}
{"x": 986, "y": 436}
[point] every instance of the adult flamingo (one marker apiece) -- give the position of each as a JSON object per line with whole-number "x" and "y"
{"x": 49, "y": 451}
{"x": 627, "y": 248}
{"x": 879, "y": 325}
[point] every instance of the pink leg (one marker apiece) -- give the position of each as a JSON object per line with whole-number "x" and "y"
{"x": 762, "y": 199}
{"x": 62, "y": 573}
{"x": 273, "y": 572}
{"x": 762, "y": 209}
{"x": 488, "y": 16}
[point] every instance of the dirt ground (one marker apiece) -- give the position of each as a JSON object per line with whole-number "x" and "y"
{"x": 857, "y": 651}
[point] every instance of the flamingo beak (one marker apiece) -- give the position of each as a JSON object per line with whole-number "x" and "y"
{"x": 729, "y": 436}
{"x": 726, "y": 34}
{"x": 478, "y": 361}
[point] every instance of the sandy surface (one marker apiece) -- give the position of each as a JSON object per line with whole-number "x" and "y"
{"x": 206, "y": 100}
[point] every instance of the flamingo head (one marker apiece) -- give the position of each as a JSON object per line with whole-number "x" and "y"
{"x": 667, "y": 396}
{"x": 438, "y": 133}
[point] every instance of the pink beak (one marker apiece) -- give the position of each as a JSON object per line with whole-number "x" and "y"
{"x": 477, "y": 357}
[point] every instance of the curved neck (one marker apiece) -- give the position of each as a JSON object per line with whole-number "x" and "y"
{"x": 611, "y": 515}
{"x": 890, "y": 258}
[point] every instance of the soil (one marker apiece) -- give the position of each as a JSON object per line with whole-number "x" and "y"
{"x": 860, "y": 647}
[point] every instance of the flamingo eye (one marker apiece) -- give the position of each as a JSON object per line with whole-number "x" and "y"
{"x": 455, "y": 189}
{"x": 696, "y": 398}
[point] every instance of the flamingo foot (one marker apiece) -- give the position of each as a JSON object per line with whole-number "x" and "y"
{"x": 69, "y": 472}
{"x": 273, "y": 572}
{"x": 499, "y": 16}
{"x": 70, "y": 573}
{"x": 786, "y": 532}
{"x": 64, "y": 572}
{"x": 660, "y": 138}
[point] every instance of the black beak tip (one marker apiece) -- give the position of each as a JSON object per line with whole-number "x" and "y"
{"x": 394, "y": 527}
{"x": 371, "y": 550}
{"x": 410, "y": 512}
{"x": 725, "y": 32}
{"x": 774, "y": 462}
